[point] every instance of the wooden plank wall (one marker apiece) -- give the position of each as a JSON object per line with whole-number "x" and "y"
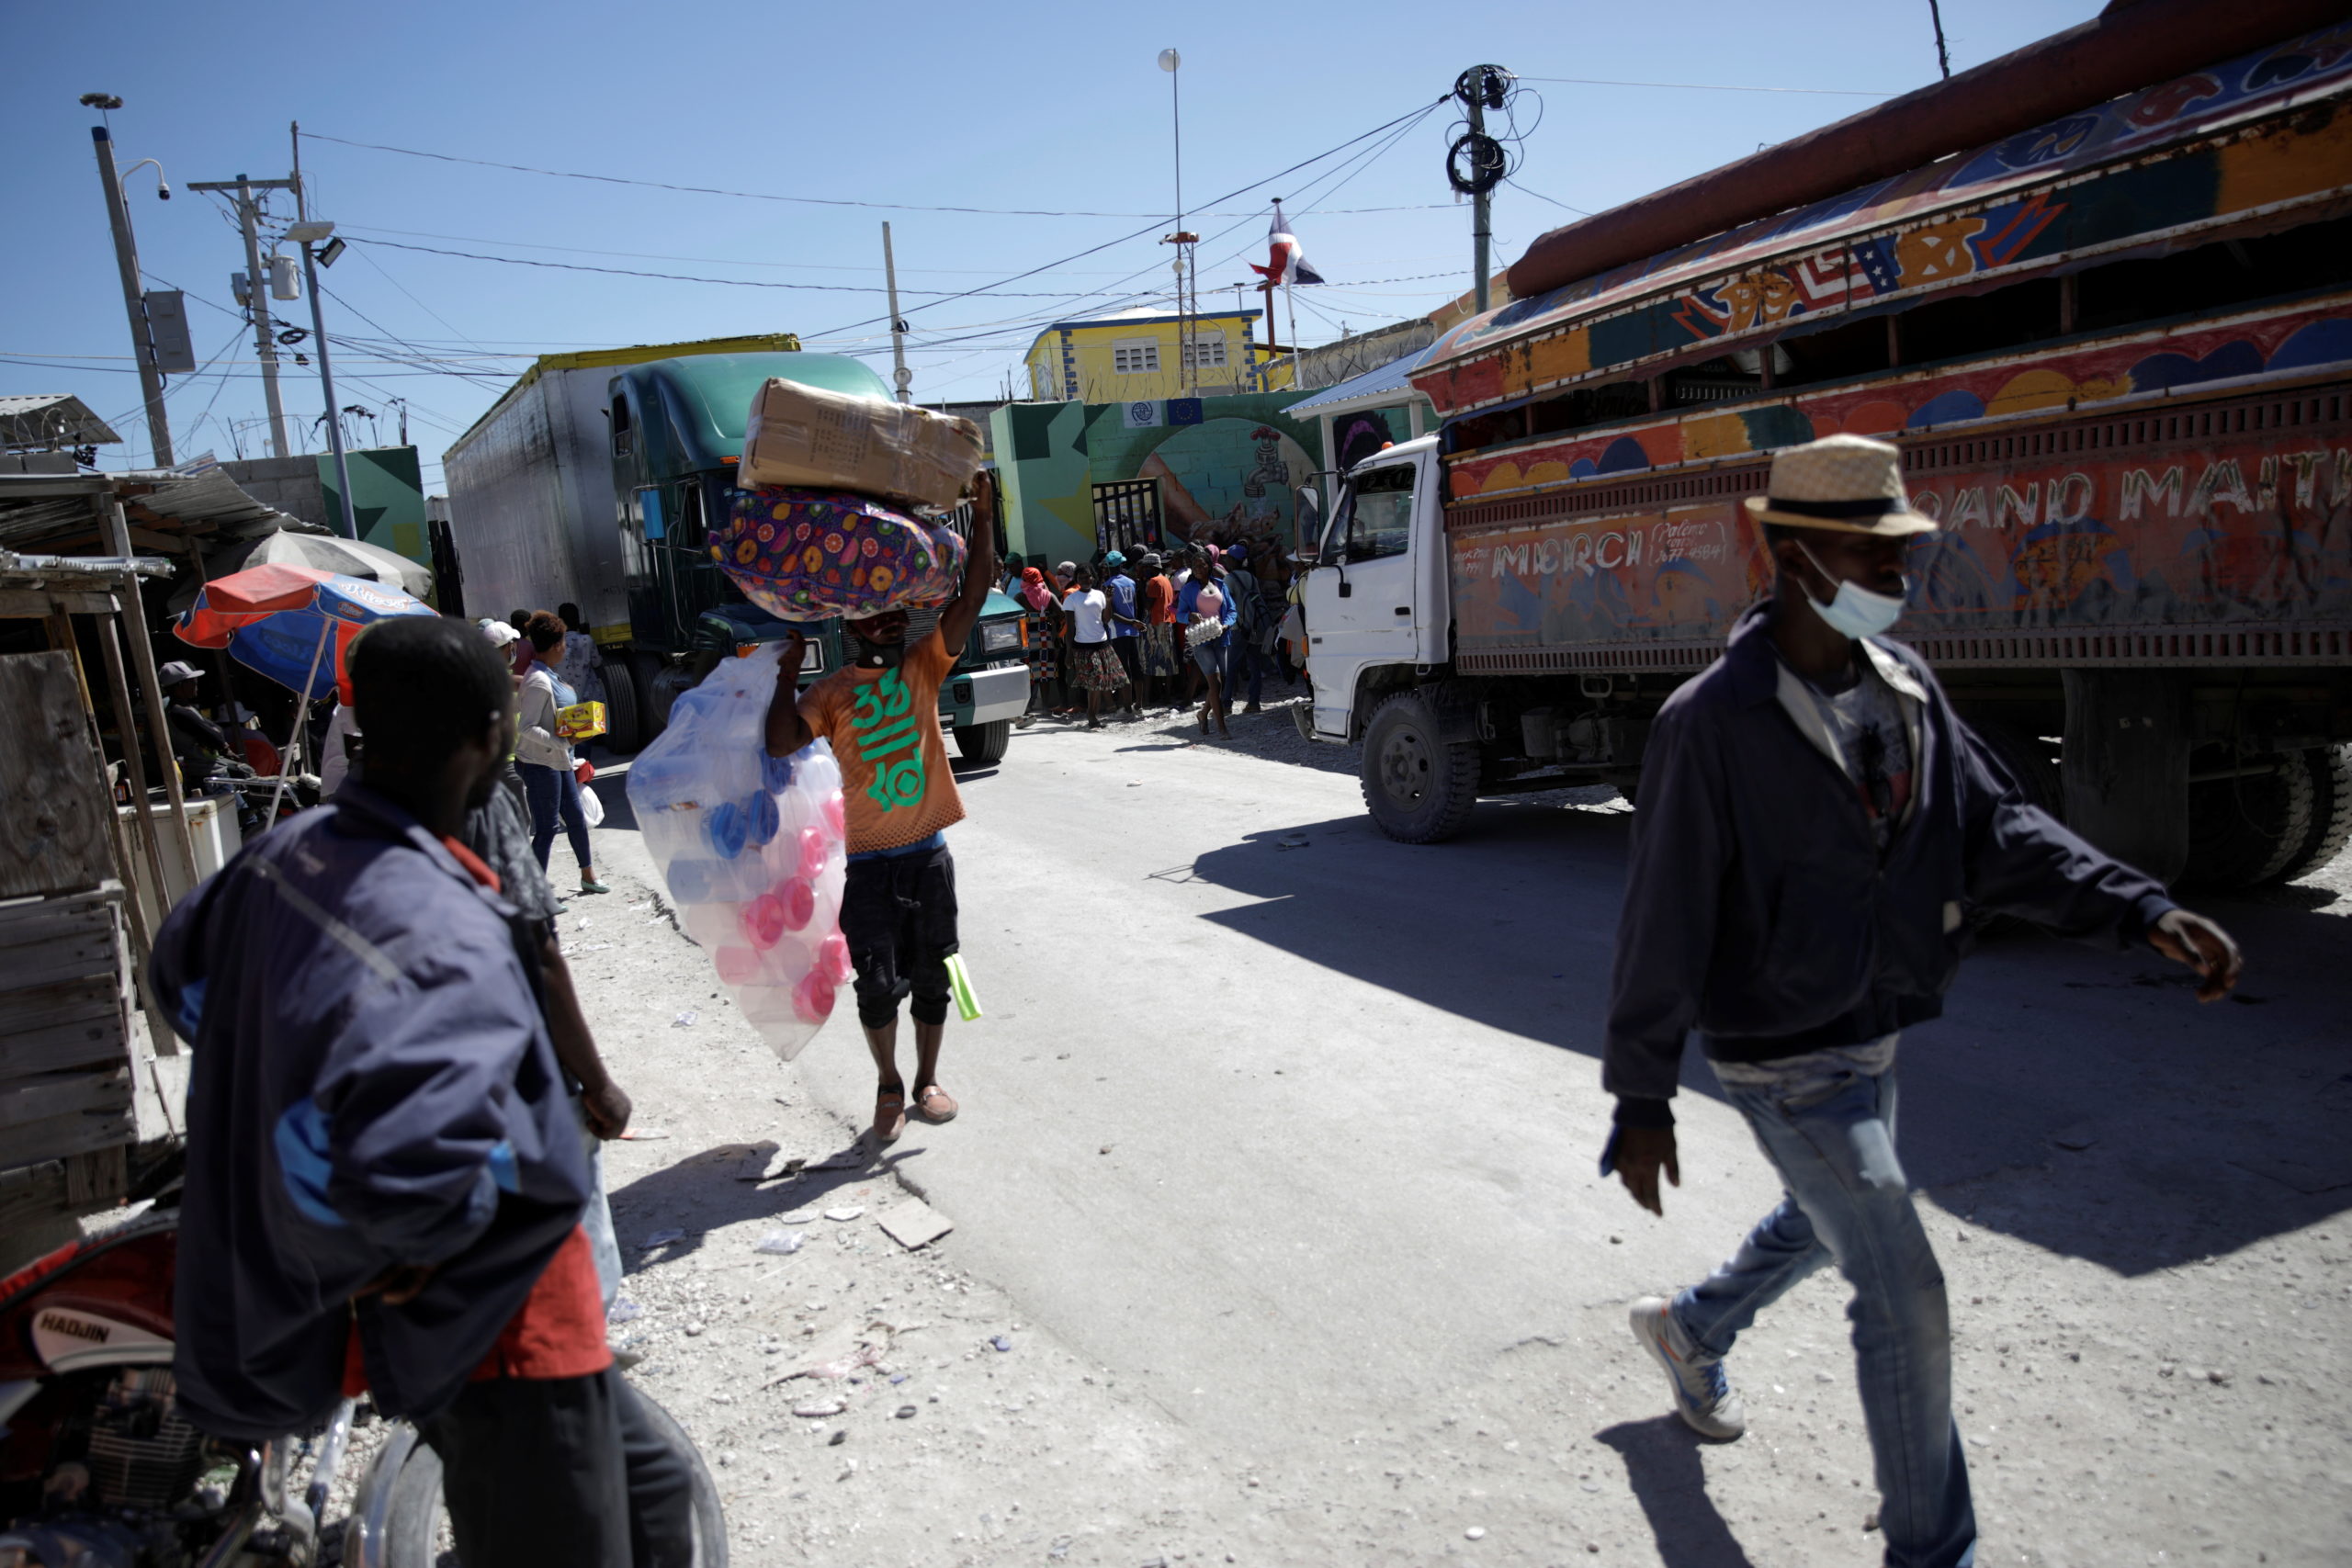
{"x": 65, "y": 1026}
{"x": 54, "y": 807}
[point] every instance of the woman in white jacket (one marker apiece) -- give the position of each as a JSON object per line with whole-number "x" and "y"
{"x": 543, "y": 759}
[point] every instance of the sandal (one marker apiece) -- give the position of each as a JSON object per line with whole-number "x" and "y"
{"x": 889, "y": 1115}
{"x": 933, "y": 1103}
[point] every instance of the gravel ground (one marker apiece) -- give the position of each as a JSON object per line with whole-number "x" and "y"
{"x": 935, "y": 1423}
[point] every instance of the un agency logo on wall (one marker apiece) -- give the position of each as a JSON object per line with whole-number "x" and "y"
{"x": 1143, "y": 414}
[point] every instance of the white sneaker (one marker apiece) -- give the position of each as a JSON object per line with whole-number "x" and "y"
{"x": 1702, "y": 1393}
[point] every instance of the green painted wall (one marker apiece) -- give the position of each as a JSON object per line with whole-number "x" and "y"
{"x": 387, "y": 498}
{"x": 1232, "y": 475}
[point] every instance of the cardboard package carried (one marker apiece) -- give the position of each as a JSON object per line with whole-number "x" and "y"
{"x": 581, "y": 721}
{"x": 809, "y": 438}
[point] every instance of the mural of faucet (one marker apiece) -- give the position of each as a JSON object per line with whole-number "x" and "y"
{"x": 1271, "y": 470}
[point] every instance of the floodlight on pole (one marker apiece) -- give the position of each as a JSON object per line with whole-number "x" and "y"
{"x": 307, "y": 233}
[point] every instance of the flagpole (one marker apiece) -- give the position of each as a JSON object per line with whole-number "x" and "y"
{"x": 1290, "y": 302}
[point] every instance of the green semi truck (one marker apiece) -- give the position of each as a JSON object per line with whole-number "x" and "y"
{"x": 595, "y": 478}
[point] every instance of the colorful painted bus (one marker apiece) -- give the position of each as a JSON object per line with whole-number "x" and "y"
{"x": 2116, "y": 349}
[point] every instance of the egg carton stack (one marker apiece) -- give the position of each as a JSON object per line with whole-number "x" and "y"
{"x": 832, "y": 519}
{"x": 753, "y": 848}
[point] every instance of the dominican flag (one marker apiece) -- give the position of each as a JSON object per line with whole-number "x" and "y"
{"x": 1285, "y": 261}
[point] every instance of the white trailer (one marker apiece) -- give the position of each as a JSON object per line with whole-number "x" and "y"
{"x": 531, "y": 500}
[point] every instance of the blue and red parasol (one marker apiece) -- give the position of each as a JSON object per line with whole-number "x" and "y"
{"x": 281, "y": 621}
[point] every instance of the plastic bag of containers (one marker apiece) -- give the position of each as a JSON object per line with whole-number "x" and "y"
{"x": 809, "y": 555}
{"x": 753, "y": 848}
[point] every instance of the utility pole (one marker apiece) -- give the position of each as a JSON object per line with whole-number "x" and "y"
{"x": 900, "y": 374}
{"x": 257, "y": 295}
{"x": 307, "y": 235}
{"x": 1480, "y": 88}
{"x": 134, "y": 300}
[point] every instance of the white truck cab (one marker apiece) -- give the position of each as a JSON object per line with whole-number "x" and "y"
{"x": 1379, "y": 631}
{"x": 1375, "y": 592}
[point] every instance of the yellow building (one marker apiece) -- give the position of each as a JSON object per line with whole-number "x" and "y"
{"x": 1147, "y": 354}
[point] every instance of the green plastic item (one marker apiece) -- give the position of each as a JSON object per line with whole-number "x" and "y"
{"x": 959, "y": 981}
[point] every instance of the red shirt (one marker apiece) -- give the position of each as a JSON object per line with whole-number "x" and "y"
{"x": 1160, "y": 603}
{"x": 559, "y": 1331}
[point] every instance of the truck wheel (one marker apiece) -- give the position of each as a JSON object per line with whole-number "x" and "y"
{"x": 621, "y": 716}
{"x": 653, "y": 702}
{"x": 984, "y": 743}
{"x": 1418, "y": 788}
{"x": 2028, "y": 761}
{"x": 2249, "y": 829}
{"x": 2331, "y": 813}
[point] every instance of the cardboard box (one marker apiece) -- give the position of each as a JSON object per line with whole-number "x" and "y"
{"x": 818, "y": 440}
{"x": 581, "y": 721}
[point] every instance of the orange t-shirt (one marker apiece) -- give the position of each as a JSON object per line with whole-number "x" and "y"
{"x": 883, "y": 728}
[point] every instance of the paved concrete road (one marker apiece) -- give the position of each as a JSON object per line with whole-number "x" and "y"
{"x": 1295, "y": 1128}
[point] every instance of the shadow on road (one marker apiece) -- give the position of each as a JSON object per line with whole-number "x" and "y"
{"x": 702, "y": 1193}
{"x": 2077, "y": 1099}
{"x": 1662, "y": 1466}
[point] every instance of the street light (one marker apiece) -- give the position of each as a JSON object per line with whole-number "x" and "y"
{"x": 1169, "y": 61}
{"x": 307, "y": 235}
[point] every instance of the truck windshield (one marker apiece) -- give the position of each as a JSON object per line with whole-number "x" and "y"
{"x": 1379, "y": 513}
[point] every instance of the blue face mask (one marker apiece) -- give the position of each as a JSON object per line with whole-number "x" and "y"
{"x": 1855, "y": 612}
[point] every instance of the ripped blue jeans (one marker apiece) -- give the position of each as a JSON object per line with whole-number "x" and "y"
{"x": 1846, "y": 1199}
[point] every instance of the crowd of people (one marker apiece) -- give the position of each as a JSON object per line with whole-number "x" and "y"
{"x": 1192, "y": 631}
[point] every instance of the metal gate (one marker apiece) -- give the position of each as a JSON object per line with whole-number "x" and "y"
{"x": 1127, "y": 516}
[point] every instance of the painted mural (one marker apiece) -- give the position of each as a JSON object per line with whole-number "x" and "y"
{"x": 2251, "y": 530}
{"x": 1229, "y": 468}
{"x": 2027, "y": 199}
{"x": 2303, "y": 340}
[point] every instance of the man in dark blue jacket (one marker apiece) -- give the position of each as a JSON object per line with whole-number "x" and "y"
{"x": 385, "y": 1176}
{"x": 1816, "y": 824}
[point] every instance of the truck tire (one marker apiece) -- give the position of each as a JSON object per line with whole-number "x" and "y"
{"x": 1418, "y": 787}
{"x": 984, "y": 743}
{"x": 2331, "y": 813}
{"x": 2028, "y": 761}
{"x": 653, "y": 711}
{"x": 2249, "y": 829}
{"x": 622, "y": 718}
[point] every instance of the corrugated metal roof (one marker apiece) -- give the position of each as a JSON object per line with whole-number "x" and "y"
{"x": 47, "y": 418}
{"x": 36, "y": 510}
{"x": 1381, "y": 384}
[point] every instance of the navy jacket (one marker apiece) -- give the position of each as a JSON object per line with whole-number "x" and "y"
{"x": 371, "y": 1085}
{"x": 1758, "y": 910}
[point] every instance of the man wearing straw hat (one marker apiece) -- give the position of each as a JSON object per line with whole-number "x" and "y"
{"x": 1815, "y": 820}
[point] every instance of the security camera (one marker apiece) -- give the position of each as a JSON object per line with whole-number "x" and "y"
{"x": 163, "y": 191}
{"x": 100, "y": 101}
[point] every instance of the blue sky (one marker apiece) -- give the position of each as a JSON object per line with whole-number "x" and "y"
{"x": 1016, "y": 105}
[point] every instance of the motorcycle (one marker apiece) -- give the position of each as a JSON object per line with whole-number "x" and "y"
{"x": 99, "y": 1468}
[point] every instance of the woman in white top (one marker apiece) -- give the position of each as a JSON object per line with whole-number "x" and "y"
{"x": 543, "y": 759}
{"x": 1094, "y": 664}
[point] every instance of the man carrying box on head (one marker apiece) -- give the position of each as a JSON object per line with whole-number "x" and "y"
{"x": 880, "y": 713}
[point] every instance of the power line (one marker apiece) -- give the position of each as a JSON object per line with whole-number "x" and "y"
{"x": 1303, "y": 162}
{"x": 683, "y": 277}
{"x": 755, "y": 194}
{"x": 1540, "y": 197}
{"x": 1705, "y": 86}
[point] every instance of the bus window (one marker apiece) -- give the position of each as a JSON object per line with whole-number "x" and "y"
{"x": 1848, "y": 349}
{"x": 1972, "y": 324}
{"x": 2215, "y": 276}
{"x": 1582, "y": 406}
